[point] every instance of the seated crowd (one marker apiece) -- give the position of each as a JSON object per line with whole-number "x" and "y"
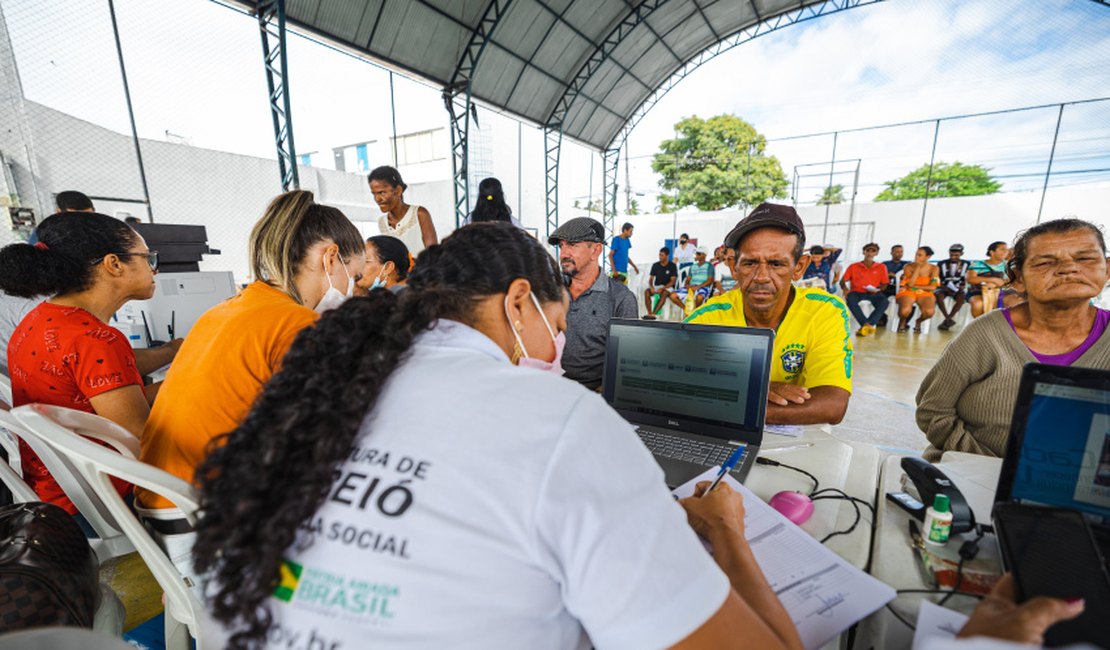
{"x": 349, "y": 386}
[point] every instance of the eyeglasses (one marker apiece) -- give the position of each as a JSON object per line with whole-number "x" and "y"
{"x": 151, "y": 258}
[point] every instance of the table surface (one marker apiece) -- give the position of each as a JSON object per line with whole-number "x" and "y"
{"x": 851, "y": 467}
{"x": 893, "y": 559}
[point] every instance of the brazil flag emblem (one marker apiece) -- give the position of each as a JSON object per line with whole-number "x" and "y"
{"x": 290, "y": 577}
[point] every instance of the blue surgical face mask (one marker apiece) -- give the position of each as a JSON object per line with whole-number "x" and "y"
{"x": 379, "y": 283}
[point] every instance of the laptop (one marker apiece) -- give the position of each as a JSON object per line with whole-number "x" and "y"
{"x": 694, "y": 392}
{"x": 1058, "y": 453}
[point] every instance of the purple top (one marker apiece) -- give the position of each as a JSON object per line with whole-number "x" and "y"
{"x": 1102, "y": 319}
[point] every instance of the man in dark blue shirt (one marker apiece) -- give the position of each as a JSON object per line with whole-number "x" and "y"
{"x": 893, "y": 267}
{"x": 663, "y": 274}
{"x": 822, "y": 259}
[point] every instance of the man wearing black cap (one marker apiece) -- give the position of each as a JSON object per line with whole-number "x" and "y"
{"x": 594, "y": 299}
{"x": 953, "y": 284}
{"x": 811, "y": 369}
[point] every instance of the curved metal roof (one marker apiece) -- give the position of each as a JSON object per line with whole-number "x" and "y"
{"x": 589, "y": 65}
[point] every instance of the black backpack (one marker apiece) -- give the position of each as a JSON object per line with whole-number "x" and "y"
{"x": 48, "y": 571}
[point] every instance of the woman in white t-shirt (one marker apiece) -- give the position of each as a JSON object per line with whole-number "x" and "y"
{"x": 418, "y": 475}
{"x": 411, "y": 224}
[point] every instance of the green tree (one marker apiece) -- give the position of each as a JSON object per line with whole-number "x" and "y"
{"x": 832, "y": 195}
{"x": 716, "y": 163}
{"x": 947, "y": 179}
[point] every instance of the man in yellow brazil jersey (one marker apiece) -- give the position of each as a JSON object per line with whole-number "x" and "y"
{"x": 811, "y": 365}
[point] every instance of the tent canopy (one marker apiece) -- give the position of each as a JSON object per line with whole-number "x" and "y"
{"x": 587, "y": 64}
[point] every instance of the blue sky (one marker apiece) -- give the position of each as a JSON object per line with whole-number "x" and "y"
{"x": 196, "y": 72}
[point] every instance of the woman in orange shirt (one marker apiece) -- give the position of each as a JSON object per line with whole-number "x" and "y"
{"x": 305, "y": 258}
{"x": 920, "y": 280}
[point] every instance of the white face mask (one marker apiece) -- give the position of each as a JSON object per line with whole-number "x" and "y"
{"x": 554, "y": 366}
{"x": 332, "y": 297}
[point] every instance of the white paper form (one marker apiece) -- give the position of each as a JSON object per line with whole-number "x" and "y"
{"x": 824, "y": 594}
{"x": 936, "y": 622}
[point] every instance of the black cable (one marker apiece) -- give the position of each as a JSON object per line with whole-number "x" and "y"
{"x": 899, "y": 617}
{"x": 968, "y": 551}
{"x": 969, "y": 594}
{"x": 774, "y": 463}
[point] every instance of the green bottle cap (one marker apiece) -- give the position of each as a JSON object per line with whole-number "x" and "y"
{"x": 940, "y": 503}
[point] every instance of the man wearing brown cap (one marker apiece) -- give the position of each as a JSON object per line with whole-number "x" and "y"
{"x": 811, "y": 368}
{"x": 594, "y": 299}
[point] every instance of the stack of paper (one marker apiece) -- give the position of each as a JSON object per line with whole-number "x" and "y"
{"x": 824, "y": 594}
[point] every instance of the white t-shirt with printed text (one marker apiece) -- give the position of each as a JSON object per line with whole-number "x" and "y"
{"x": 487, "y": 505}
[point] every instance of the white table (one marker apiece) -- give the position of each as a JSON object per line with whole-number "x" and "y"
{"x": 893, "y": 559}
{"x": 851, "y": 467}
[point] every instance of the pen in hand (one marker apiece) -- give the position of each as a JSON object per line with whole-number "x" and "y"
{"x": 733, "y": 458}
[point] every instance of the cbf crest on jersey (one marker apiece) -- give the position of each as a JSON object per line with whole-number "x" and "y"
{"x": 793, "y": 358}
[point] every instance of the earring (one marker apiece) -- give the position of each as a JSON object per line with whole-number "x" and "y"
{"x": 518, "y": 325}
{"x": 517, "y": 354}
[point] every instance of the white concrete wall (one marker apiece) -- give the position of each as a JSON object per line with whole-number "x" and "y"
{"x": 224, "y": 192}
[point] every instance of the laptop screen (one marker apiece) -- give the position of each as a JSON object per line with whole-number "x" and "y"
{"x": 709, "y": 375}
{"x": 1064, "y": 457}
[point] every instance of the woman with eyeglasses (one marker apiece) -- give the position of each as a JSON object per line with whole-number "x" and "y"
{"x": 65, "y": 351}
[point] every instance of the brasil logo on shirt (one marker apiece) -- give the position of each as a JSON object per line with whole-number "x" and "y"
{"x": 793, "y": 358}
{"x": 290, "y": 578}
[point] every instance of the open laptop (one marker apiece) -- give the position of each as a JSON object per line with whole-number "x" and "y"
{"x": 1058, "y": 453}
{"x": 694, "y": 392}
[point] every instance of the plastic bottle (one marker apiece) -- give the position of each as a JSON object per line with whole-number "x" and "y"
{"x": 938, "y": 521}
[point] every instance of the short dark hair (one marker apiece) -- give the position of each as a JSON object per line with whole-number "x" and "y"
{"x": 63, "y": 260}
{"x": 684, "y": 235}
{"x": 626, "y": 226}
{"x": 871, "y": 245}
{"x": 387, "y": 174}
{"x": 896, "y": 246}
{"x": 73, "y": 201}
{"x": 1054, "y": 227}
{"x": 994, "y": 246}
{"x": 928, "y": 251}
{"x": 817, "y": 249}
{"x": 391, "y": 249}
{"x": 665, "y": 250}
{"x": 132, "y": 221}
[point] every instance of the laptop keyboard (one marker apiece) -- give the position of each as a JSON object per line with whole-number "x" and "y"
{"x": 694, "y": 451}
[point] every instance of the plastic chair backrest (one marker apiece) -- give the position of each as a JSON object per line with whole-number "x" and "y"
{"x": 97, "y": 466}
{"x": 112, "y": 542}
{"x": 11, "y": 474}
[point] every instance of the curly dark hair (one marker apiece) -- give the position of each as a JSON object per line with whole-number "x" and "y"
{"x": 1020, "y": 251}
{"x": 260, "y": 482}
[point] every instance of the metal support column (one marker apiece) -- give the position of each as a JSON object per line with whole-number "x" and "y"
{"x": 1051, "y": 157}
{"x": 928, "y": 183}
{"x": 460, "y": 108}
{"x": 271, "y": 25}
{"x": 609, "y": 204}
{"x": 131, "y": 113}
{"x": 832, "y": 170}
{"x": 552, "y": 144}
{"x": 393, "y": 119}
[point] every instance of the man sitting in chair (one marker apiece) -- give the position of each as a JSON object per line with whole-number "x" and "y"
{"x": 811, "y": 371}
{"x": 662, "y": 278}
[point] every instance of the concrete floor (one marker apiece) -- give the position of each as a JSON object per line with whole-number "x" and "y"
{"x": 888, "y": 369}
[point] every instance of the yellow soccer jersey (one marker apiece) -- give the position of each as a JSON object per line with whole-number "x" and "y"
{"x": 813, "y": 344}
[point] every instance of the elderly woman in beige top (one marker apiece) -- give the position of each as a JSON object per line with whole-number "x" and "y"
{"x": 966, "y": 401}
{"x": 411, "y": 224}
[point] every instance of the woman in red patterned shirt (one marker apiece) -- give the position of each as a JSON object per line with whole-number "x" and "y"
{"x": 64, "y": 352}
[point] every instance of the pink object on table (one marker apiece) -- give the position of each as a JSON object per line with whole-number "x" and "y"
{"x": 795, "y": 506}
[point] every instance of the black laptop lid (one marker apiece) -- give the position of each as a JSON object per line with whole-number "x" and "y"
{"x": 1058, "y": 453}
{"x": 704, "y": 379}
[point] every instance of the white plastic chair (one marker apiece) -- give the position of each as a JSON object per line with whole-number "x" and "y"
{"x": 97, "y": 466}
{"x": 112, "y": 542}
{"x": 5, "y": 390}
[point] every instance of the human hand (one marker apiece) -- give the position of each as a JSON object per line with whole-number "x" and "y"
{"x": 784, "y": 394}
{"x": 719, "y": 512}
{"x": 1000, "y": 617}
